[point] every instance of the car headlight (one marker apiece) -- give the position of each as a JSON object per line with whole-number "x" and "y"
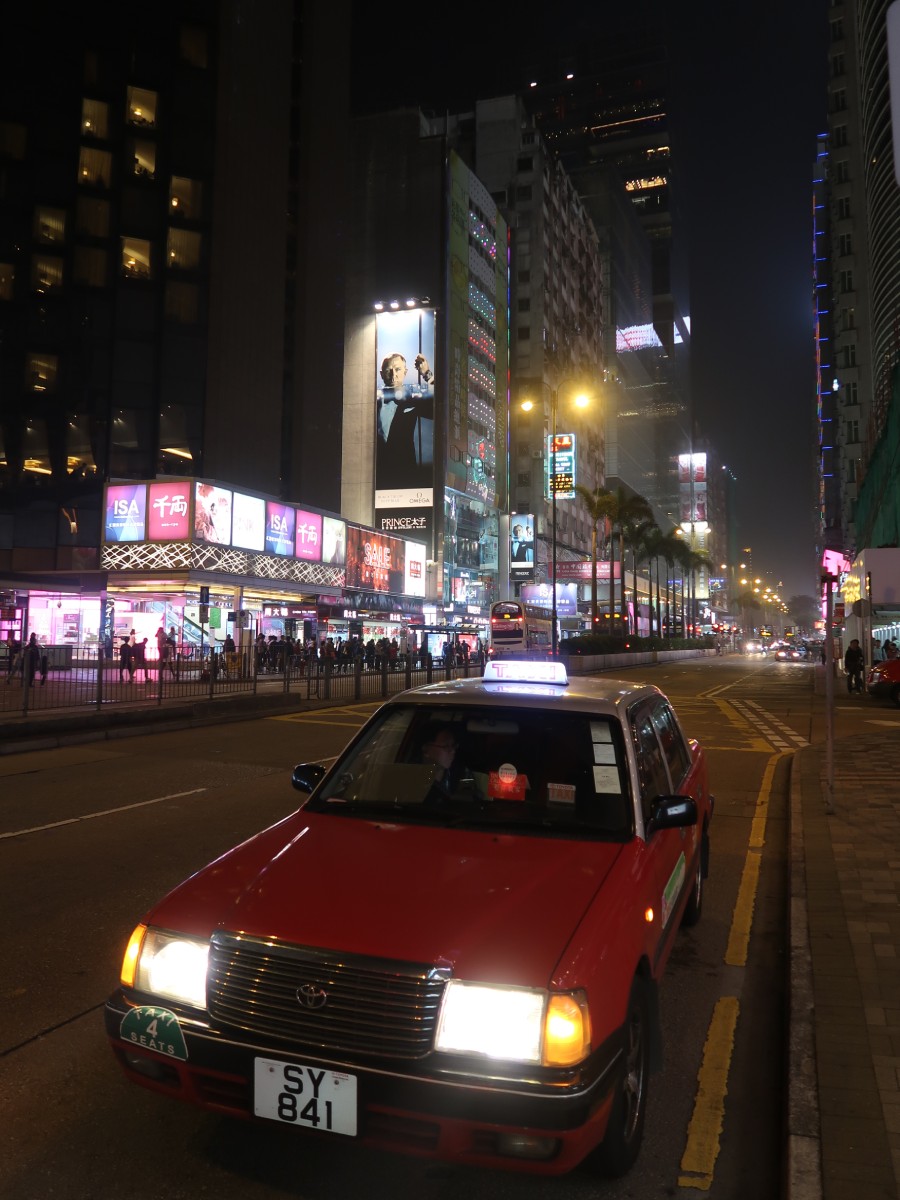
{"x": 517, "y": 1024}
{"x": 167, "y": 965}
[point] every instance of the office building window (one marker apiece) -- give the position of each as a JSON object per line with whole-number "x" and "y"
{"x": 852, "y": 435}
{"x": 185, "y": 197}
{"x": 50, "y": 224}
{"x": 845, "y": 244}
{"x": 842, "y": 171}
{"x": 848, "y": 318}
{"x": 94, "y": 118}
{"x": 12, "y": 139}
{"x": 851, "y": 393}
{"x": 7, "y": 279}
{"x": 846, "y": 281}
{"x": 843, "y": 207}
{"x": 94, "y": 167}
{"x": 850, "y": 355}
{"x": 839, "y": 136}
{"x": 92, "y": 217}
{"x": 524, "y": 333}
{"x": 79, "y": 453}
{"x": 143, "y": 158}
{"x": 192, "y": 46}
{"x": 182, "y": 302}
{"x": 183, "y": 249}
{"x": 524, "y": 305}
{"x": 40, "y": 372}
{"x": 523, "y": 192}
{"x": 89, "y": 266}
{"x": 140, "y": 107}
{"x": 136, "y": 262}
{"x": 46, "y": 273}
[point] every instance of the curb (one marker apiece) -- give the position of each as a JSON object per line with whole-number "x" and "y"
{"x": 803, "y": 1177}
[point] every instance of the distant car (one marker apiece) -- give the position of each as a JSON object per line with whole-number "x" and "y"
{"x": 788, "y": 653}
{"x": 454, "y": 947}
{"x": 884, "y": 680}
{"x": 754, "y": 647}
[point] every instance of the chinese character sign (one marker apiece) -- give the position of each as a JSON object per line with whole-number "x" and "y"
{"x": 308, "y": 536}
{"x": 168, "y": 515}
{"x": 561, "y": 466}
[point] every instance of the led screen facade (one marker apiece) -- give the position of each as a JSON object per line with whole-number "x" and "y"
{"x": 248, "y": 522}
{"x": 169, "y": 511}
{"x": 126, "y": 512}
{"x": 280, "y": 523}
{"x": 375, "y": 561}
{"x": 561, "y": 458}
{"x": 212, "y": 514}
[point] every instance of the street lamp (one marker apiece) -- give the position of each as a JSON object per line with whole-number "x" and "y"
{"x": 581, "y": 401}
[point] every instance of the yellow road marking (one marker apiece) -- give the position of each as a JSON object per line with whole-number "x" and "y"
{"x": 705, "y": 1129}
{"x": 742, "y": 920}
{"x": 758, "y": 827}
{"x": 307, "y": 720}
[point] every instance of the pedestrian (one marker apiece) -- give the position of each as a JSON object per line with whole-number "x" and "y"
{"x": 125, "y": 660}
{"x": 139, "y": 658}
{"x": 32, "y": 660}
{"x": 890, "y": 649}
{"x": 13, "y": 656}
{"x": 854, "y": 661}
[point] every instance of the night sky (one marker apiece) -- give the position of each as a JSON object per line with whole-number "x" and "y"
{"x": 748, "y": 100}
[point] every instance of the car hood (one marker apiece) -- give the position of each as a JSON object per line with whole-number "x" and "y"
{"x": 486, "y": 905}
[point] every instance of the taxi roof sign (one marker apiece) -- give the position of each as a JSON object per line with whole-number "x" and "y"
{"x": 522, "y": 671}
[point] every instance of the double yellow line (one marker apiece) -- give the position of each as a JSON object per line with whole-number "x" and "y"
{"x": 702, "y": 1148}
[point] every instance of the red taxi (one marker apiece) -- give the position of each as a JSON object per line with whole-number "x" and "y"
{"x": 453, "y": 948}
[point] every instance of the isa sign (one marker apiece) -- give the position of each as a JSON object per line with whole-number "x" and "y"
{"x": 126, "y": 512}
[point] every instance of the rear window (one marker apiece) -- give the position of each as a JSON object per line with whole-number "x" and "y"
{"x": 522, "y": 769}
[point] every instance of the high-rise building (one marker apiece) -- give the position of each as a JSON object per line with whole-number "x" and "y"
{"x": 169, "y": 298}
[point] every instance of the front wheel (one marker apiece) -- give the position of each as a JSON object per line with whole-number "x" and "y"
{"x": 694, "y": 906}
{"x": 625, "y": 1131}
{"x": 895, "y": 694}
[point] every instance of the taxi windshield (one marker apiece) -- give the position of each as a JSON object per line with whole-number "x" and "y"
{"x": 522, "y": 769}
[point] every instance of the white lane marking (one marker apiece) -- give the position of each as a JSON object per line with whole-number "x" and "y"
{"x": 107, "y": 812}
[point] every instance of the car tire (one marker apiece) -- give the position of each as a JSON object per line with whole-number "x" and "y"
{"x": 620, "y": 1147}
{"x": 895, "y": 694}
{"x": 694, "y": 906}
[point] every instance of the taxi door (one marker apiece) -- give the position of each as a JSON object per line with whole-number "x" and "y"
{"x": 668, "y": 853}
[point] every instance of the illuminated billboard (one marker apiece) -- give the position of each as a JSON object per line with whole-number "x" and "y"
{"x": 279, "y": 529}
{"x": 308, "y": 536}
{"x": 692, "y": 488}
{"x": 404, "y": 404}
{"x": 561, "y": 466}
{"x": 248, "y": 522}
{"x": 375, "y": 561}
{"x": 212, "y": 513}
{"x": 414, "y": 574}
{"x": 169, "y": 511}
{"x": 334, "y": 541}
{"x": 521, "y": 546}
{"x": 126, "y": 511}
{"x": 404, "y": 423}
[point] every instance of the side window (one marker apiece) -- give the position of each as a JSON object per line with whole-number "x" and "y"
{"x": 673, "y": 744}
{"x": 651, "y": 765}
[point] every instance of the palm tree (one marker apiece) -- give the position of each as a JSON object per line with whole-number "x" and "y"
{"x": 652, "y": 552}
{"x": 629, "y": 509}
{"x": 635, "y": 534}
{"x": 599, "y": 504}
{"x": 670, "y": 547}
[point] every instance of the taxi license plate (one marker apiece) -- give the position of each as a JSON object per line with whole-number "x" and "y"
{"x": 300, "y": 1095}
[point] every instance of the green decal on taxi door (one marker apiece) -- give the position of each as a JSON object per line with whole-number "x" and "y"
{"x": 673, "y": 889}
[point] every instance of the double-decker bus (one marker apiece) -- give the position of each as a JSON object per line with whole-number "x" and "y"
{"x": 520, "y": 630}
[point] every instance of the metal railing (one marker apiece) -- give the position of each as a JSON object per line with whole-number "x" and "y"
{"x": 91, "y": 679}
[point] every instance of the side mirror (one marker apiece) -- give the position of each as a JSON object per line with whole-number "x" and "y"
{"x": 307, "y": 776}
{"x": 672, "y": 812}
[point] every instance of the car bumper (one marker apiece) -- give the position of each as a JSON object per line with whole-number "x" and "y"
{"x": 880, "y": 687}
{"x": 480, "y": 1122}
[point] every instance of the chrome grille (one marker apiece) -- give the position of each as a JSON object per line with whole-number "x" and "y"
{"x": 374, "y": 1007}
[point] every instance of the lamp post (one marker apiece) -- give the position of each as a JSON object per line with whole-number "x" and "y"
{"x": 581, "y": 401}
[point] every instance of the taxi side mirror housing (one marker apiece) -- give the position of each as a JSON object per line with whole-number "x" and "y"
{"x": 672, "y": 812}
{"x": 307, "y": 776}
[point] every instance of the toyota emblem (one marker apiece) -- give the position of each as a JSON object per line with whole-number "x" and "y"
{"x": 311, "y": 995}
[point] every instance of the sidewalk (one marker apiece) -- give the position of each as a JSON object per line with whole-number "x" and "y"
{"x": 843, "y": 1119}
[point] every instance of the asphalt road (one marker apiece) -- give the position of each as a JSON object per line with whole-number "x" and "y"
{"x": 91, "y": 835}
